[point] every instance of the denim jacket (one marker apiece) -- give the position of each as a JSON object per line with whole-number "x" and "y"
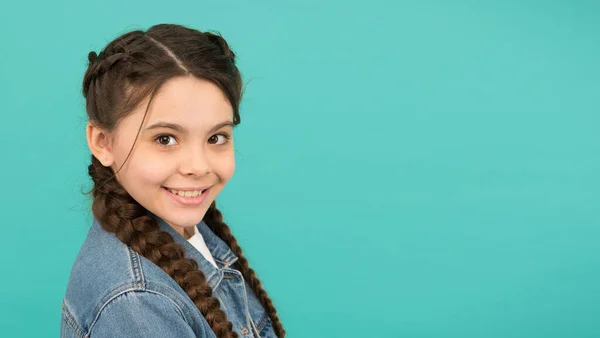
{"x": 114, "y": 292}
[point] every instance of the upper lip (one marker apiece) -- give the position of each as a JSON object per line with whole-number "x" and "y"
{"x": 189, "y": 189}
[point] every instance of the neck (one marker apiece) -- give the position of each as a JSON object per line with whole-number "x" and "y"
{"x": 186, "y": 232}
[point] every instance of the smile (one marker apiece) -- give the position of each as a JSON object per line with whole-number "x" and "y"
{"x": 185, "y": 193}
{"x": 187, "y": 197}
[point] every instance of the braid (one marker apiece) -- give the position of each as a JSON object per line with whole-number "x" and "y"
{"x": 99, "y": 65}
{"x": 120, "y": 214}
{"x": 224, "y": 49}
{"x": 214, "y": 219}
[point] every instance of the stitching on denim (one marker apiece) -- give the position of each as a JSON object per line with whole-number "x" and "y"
{"x": 70, "y": 320}
{"x": 136, "y": 266}
{"x": 246, "y": 305}
{"x": 181, "y": 312}
{"x": 127, "y": 285}
{"x": 104, "y": 304}
{"x": 262, "y": 322}
{"x": 155, "y": 287}
{"x": 142, "y": 272}
{"x": 226, "y": 264}
{"x": 219, "y": 278}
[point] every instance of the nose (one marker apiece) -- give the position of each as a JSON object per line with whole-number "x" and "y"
{"x": 195, "y": 162}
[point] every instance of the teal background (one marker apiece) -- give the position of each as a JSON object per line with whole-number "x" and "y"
{"x": 404, "y": 168}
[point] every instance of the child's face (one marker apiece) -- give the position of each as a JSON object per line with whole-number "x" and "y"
{"x": 188, "y": 155}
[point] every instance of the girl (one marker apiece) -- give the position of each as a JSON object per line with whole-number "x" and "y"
{"x": 158, "y": 260}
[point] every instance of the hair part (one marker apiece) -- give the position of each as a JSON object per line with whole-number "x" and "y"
{"x": 130, "y": 69}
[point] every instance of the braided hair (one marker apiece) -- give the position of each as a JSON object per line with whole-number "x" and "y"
{"x": 131, "y": 68}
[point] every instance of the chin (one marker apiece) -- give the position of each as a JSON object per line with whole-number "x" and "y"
{"x": 185, "y": 221}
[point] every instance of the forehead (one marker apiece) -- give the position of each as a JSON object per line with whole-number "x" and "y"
{"x": 191, "y": 102}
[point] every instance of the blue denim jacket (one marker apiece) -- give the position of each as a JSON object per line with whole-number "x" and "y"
{"x": 114, "y": 292}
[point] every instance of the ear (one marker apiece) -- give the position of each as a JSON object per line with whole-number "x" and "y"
{"x": 100, "y": 144}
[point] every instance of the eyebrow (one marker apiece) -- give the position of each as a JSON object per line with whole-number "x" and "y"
{"x": 180, "y": 129}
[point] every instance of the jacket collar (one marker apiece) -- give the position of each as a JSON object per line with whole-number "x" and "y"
{"x": 221, "y": 253}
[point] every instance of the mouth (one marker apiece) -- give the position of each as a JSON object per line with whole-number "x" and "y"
{"x": 188, "y": 197}
{"x": 186, "y": 192}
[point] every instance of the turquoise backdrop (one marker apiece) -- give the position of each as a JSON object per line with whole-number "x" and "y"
{"x": 404, "y": 168}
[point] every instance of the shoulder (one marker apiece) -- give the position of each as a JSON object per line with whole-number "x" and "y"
{"x": 136, "y": 313}
{"x": 109, "y": 277}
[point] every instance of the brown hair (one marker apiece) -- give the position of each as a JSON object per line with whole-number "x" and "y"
{"x": 130, "y": 69}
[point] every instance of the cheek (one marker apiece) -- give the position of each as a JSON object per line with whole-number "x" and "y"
{"x": 146, "y": 168}
{"x": 225, "y": 167}
{"x": 156, "y": 169}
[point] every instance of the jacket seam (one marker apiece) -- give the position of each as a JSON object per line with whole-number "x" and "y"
{"x": 136, "y": 268}
{"x": 116, "y": 290}
{"x": 71, "y": 321}
{"x": 179, "y": 309}
{"x": 262, "y": 322}
{"x": 224, "y": 262}
{"x": 246, "y": 302}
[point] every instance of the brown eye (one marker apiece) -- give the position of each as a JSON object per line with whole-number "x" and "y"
{"x": 165, "y": 140}
{"x": 224, "y": 136}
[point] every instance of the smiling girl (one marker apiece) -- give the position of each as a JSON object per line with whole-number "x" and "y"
{"x": 158, "y": 260}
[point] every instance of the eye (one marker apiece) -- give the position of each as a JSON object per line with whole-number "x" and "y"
{"x": 165, "y": 140}
{"x": 225, "y": 137}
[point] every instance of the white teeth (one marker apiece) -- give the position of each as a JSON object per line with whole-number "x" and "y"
{"x": 186, "y": 193}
